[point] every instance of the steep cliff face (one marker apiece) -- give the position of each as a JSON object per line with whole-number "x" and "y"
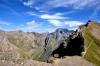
{"x": 63, "y": 43}
{"x": 54, "y": 40}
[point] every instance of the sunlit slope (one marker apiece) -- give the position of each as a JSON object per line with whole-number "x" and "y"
{"x": 10, "y": 52}
{"x": 92, "y": 42}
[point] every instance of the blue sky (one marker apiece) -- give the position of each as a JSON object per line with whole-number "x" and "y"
{"x": 46, "y": 15}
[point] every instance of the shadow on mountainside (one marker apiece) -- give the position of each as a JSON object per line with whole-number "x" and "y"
{"x": 75, "y": 46}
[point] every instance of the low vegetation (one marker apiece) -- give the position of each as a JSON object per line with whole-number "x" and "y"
{"x": 92, "y": 44}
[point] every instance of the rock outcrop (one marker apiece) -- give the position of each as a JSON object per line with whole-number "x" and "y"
{"x": 64, "y": 43}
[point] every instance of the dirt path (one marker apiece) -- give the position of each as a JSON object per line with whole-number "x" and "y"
{"x": 72, "y": 61}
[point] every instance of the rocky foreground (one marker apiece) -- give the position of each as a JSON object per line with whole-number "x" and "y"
{"x": 67, "y": 61}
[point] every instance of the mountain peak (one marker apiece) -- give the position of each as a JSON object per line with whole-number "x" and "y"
{"x": 91, "y": 21}
{"x": 61, "y": 30}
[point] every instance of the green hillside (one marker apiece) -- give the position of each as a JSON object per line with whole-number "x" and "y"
{"x": 92, "y": 43}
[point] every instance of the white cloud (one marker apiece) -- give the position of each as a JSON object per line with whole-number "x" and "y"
{"x": 29, "y": 3}
{"x": 32, "y": 24}
{"x": 37, "y": 8}
{"x": 75, "y": 4}
{"x": 70, "y": 12}
{"x": 28, "y": 26}
{"x": 38, "y": 27}
{"x": 35, "y": 27}
{"x": 48, "y": 16}
{"x": 59, "y": 14}
{"x": 4, "y": 23}
{"x": 56, "y": 23}
{"x": 55, "y": 16}
{"x": 71, "y": 24}
{"x": 31, "y": 13}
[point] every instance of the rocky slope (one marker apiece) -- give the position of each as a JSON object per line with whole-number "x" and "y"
{"x": 67, "y": 61}
{"x": 17, "y": 46}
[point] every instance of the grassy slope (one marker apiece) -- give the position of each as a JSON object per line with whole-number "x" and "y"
{"x": 92, "y": 43}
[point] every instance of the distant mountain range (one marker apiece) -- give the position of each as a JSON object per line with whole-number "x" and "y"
{"x": 18, "y": 46}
